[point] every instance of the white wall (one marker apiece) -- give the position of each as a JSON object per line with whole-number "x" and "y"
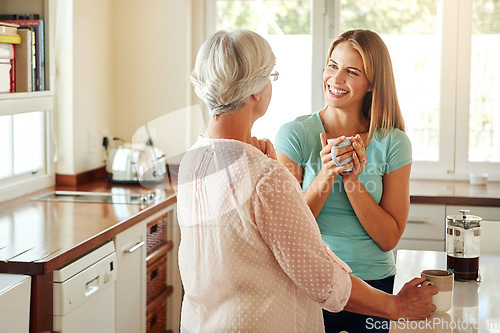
{"x": 126, "y": 64}
{"x": 150, "y": 71}
{"x": 83, "y": 75}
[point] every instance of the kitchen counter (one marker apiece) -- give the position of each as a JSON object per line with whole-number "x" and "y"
{"x": 476, "y": 305}
{"x": 454, "y": 193}
{"x": 37, "y": 237}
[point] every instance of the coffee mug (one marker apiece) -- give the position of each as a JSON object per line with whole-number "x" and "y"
{"x": 443, "y": 281}
{"x": 343, "y": 144}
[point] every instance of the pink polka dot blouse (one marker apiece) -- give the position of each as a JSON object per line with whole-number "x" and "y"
{"x": 251, "y": 256}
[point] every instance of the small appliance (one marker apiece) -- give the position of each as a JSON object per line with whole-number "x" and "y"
{"x": 136, "y": 163}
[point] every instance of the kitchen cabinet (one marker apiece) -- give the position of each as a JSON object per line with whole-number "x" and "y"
{"x": 173, "y": 274}
{"x": 14, "y": 302}
{"x": 425, "y": 228}
{"x": 163, "y": 312}
{"x": 146, "y": 272}
{"x": 38, "y": 237}
{"x": 131, "y": 280}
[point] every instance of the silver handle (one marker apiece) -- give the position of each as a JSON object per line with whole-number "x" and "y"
{"x": 417, "y": 221}
{"x": 135, "y": 247}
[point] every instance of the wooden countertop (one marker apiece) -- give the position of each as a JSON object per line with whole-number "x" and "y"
{"x": 454, "y": 193}
{"x": 37, "y": 237}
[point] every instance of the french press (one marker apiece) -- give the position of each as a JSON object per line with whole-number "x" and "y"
{"x": 463, "y": 234}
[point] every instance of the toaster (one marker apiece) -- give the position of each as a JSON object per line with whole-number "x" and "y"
{"x": 133, "y": 163}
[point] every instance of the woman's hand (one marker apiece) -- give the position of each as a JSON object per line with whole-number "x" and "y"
{"x": 329, "y": 170}
{"x": 265, "y": 146}
{"x": 415, "y": 301}
{"x": 358, "y": 158}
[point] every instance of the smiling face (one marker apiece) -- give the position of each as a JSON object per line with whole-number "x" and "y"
{"x": 344, "y": 79}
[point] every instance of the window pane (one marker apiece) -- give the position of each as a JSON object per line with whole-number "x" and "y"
{"x": 29, "y": 142}
{"x": 484, "y": 123}
{"x": 411, "y": 33}
{"x": 6, "y": 146}
{"x": 286, "y": 26}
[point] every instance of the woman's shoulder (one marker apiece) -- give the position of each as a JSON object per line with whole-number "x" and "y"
{"x": 305, "y": 120}
{"x": 395, "y": 148}
{"x": 272, "y": 172}
{"x": 392, "y": 136}
{"x": 300, "y": 127}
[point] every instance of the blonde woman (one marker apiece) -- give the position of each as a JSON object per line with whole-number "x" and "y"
{"x": 361, "y": 213}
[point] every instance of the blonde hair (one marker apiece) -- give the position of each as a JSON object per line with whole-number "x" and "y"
{"x": 230, "y": 67}
{"x": 381, "y": 106}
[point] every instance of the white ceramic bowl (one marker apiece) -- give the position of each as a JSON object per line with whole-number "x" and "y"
{"x": 478, "y": 178}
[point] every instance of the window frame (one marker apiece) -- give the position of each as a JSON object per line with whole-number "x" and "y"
{"x": 455, "y": 24}
{"x": 17, "y": 103}
{"x": 464, "y": 49}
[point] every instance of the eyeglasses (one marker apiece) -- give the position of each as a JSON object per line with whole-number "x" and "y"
{"x": 274, "y": 76}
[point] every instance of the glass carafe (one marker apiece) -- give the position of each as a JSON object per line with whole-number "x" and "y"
{"x": 463, "y": 234}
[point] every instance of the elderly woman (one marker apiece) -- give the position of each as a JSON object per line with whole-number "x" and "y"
{"x": 251, "y": 256}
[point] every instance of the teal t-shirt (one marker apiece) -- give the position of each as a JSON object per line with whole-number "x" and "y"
{"x": 339, "y": 226}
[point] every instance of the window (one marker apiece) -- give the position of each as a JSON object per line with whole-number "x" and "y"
{"x": 411, "y": 32}
{"x": 22, "y": 143}
{"x": 24, "y": 149}
{"x": 286, "y": 25}
{"x": 446, "y": 59}
{"x": 481, "y": 40}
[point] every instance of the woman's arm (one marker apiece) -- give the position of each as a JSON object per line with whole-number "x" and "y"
{"x": 292, "y": 234}
{"x": 317, "y": 192}
{"x": 287, "y": 226}
{"x": 384, "y": 222}
{"x": 412, "y": 302}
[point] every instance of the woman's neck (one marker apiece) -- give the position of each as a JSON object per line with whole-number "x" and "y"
{"x": 234, "y": 125}
{"x": 338, "y": 122}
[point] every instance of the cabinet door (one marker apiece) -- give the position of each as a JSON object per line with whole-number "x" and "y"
{"x": 173, "y": 276}
{"x": 425, "y": 228}
{"x": 131, "y": 279}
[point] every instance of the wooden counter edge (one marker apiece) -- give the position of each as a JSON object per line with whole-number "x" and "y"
{"x": 457, "y": 201}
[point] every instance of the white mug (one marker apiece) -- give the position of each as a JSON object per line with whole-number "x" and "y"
{"x": 343, "y": 144}
{"x": 443, "y": 281}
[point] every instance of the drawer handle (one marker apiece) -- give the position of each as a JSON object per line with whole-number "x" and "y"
{"x": 154, "y": 274}
{"x": 92, "y": 286}
{"x": 135, "y": 247}
{"x": 153, "y": 321}
{"x": 417, "y": 221}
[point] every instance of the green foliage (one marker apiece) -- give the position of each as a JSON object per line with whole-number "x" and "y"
{"x": 292, "y": 17}
{"x": 389, "y": 16}
{"x": 486, "y": 19}
{"x": 275, "y": 17}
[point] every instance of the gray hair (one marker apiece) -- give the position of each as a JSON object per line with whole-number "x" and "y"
{"x": 230, "y": 67}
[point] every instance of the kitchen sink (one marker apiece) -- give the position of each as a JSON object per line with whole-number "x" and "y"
{"x": 101, "y": 197}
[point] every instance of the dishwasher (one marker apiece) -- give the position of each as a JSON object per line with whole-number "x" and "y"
{"x": 84, "y": 293}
